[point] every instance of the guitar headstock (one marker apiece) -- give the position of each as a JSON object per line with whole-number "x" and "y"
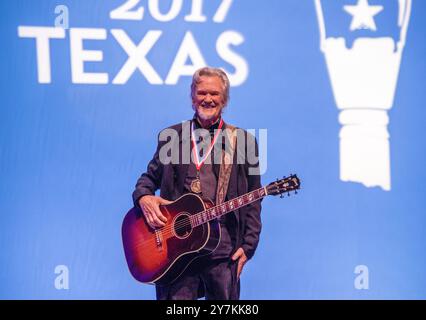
{"x": 286, "y": 184}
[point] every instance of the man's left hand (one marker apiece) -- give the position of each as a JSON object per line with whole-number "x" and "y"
{"x": 242, "y": 259}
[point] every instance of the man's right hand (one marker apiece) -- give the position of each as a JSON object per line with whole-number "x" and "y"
{"x": 150, "y": 206}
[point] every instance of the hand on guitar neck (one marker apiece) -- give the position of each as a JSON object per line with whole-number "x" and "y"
{"x": 150, "y": 206}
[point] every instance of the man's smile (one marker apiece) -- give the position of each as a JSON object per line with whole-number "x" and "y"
{"x": 208, "y": 106}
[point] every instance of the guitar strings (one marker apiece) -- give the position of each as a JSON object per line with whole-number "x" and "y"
{"x": 184, "y": 223}
{"x": 226, "y": 204}
{"x": 167, "y": 231}
{"x": 181, "y": 224}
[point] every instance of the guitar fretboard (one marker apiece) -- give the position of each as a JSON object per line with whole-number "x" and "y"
{"x": 226, "y": 207}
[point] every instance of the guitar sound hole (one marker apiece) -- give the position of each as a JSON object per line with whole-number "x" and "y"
{"x": 182, "y": 226}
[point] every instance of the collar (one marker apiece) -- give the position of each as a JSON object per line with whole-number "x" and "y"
{"x": 214, "y": 126}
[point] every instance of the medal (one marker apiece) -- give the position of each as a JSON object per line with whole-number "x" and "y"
{"x": 196, "y": 183}
{"x": 196, "y": 186}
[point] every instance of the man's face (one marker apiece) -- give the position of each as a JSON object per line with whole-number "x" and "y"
{"x": 208, "y": 100}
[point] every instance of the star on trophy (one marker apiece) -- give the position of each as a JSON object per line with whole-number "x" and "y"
{"x": 363, "y": 77}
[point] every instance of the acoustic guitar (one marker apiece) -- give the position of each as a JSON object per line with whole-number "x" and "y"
{"x": 160, "y": 255}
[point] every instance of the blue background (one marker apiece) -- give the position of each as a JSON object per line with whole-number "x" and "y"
{"x": 70, "y": 155}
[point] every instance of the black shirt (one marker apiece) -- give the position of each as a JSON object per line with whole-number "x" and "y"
{"x": 209, "y": 177}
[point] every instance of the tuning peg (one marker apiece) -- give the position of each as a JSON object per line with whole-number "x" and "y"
{"x": 281, "y": 196}
{"x": 295, "y": 191}
{"x": 288, "y": 194}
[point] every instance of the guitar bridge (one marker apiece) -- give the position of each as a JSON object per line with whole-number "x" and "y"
{"x": 159, "y": 239}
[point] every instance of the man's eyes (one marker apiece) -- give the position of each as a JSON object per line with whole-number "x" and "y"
{"x": 203, "y": 93}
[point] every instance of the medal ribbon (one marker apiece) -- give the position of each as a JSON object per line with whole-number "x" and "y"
{"x": 198, "y": 162}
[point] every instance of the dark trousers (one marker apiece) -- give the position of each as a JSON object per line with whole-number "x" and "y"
{"x": 216, "y": 279}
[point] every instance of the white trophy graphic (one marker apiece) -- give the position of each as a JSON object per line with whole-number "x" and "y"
{"x": 364, "y": 79}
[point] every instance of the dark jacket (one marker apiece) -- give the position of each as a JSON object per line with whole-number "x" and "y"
{"x": 169, "y": 178}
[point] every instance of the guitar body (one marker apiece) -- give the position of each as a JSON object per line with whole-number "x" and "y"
{"x": 160, "y": 255}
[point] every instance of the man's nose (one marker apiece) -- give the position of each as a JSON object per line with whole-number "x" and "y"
{"x": 208, "y": 98}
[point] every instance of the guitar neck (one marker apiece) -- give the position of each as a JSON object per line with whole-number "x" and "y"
{"x": 228, "y": 206}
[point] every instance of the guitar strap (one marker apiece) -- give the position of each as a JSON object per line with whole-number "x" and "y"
{"x": 226, "y": 164}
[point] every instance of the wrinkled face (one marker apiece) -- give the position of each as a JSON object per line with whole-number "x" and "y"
{"x": 208, "y": 100}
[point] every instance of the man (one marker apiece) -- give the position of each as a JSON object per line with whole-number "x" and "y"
{"x": 217, "y": 275}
